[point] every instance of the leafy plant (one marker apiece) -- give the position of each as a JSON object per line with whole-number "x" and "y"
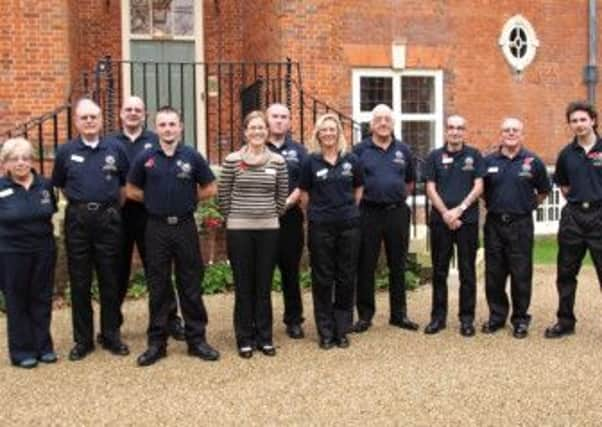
{"x": 218, "y": 278}
{"x": 208, "y": 215}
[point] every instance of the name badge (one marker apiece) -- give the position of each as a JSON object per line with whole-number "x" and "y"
{"x": 270, "y": 171}
{"x": 322, "y": 173}
{"x": 76, "y": 158}
{"x": 6, "y": 192}
{"x": 447, "y": 160}
{"x": 493, "y": 169}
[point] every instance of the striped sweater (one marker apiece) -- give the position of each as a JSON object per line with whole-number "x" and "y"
{"x": 252, "y": 196}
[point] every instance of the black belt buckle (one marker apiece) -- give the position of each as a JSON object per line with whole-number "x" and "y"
{"x": 172, "y": 220}
{"x": 93, "y": 206}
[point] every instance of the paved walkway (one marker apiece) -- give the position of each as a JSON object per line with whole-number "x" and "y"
{"x": 387, "y": 376}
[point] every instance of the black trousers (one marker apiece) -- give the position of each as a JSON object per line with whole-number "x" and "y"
{"x": 28, "y": 283}
{"x": 579, "y": 230}
{"x": 334, "y": 250}
{"x": 174, "y": 245}
{"x": 508, "y": 252}
{"x": 134, "y": 218}
{"x": 252, "y": 255}
{"x": 466, "y": 239}
{"x": 289, "y": 257}
{"x": 93, "y": 241}
{"x": 390, "y": 225}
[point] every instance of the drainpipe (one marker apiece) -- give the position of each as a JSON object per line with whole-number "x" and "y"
{"x": 590, "y": 71}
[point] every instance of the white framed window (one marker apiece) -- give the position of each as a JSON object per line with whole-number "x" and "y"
{"x": 416, "y": 98}
{"x": 173, "y": 19}
{"x": 519, "y": 42}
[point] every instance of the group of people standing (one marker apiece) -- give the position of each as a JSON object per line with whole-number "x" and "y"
{"x": 142, "y": 188}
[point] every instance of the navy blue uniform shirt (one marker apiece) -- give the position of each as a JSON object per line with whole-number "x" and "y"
{"x": 386, "y": 172}
{"x": 454, "y": 174}
{"x": 90, "y": 174}
{"x": 145, "y": 141}
{"x": 331, "y": 187}
{"x": 294, "y": 154}
{"x": 582, "y": 172}
{"x": 170, "y": 183}
{"x": 510, "y": 184}
{"x": 26, "y": 216}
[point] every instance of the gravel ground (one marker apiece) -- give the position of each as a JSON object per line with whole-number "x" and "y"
{"x": 387, "y": 376}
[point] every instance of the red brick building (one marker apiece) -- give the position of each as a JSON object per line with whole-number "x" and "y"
{"x": 427, "y": 58}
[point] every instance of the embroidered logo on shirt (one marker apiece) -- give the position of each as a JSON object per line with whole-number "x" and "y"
{"x": 76, "y": 158}
{"x": 347, "y": 169}
{"x": 399, "y": 158}
{"x": 596, "y": 158}
{"x": 45, "y": 197}
{"x": 468, "y": 164}
{"x": 322, "y": 174}
{"x": 148, "y": 145}
{"x": 526, "y": 168}
{"x": 185, "y": 169}
{"x": 290, "y": 156}
{"x": 109, "y": 165}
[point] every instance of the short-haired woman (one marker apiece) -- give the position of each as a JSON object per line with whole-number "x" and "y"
{"x": 332, "y": 184}
{"x": 27, "y": 255}
{"x": 253, "y": 189}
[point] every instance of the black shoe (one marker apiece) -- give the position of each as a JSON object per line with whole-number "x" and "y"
{"x": 79, "y": 351}
{"x": 295, "y": 331}
{"x": 151, "y": 356}
{"x": 521, "y": 330}
{"x": 342, "y": 342}
{"x": 491, "y": 328}
{"x": 361, "y": 326}
{"x": 117, "y": 347}
{"x": 245, "y": 352}
{"x": 203, "y": 351}
{"x": 49, "y": 357}
{"x": 326, "y": 343}
{"x": 404, "y": 323}
{"x": 176, "y": 330}
{"x": 434, "y": 327}
{"x": 467, "y": 330}
{"x": 558, "y": 330}
{"x": 267, "y": 349}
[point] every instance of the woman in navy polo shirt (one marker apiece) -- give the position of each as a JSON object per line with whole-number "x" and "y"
{"x": 27, "y": 255}
{"x": 332, "y": 184}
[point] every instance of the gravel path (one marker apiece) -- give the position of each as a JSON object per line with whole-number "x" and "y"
{"x": 387, "y": 376}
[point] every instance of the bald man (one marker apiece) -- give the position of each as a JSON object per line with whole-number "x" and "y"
{"x": 91, "y": 172}
{"x": 135, "y": 139}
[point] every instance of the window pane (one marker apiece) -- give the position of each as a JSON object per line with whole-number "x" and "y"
{"x": 374, "y": 91}
{"x": 139, "y": 17}
{"x": 162, "y": 18}
{"x": 417, "y": 94}
{"x": 183, "y": 15}
{"x": 420, "y": 136}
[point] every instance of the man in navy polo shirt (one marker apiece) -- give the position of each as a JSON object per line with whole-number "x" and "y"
{"x": 291, "y": 223}
{"x": 91, "y": 172}
{"x": 516, "y": 182}
{"x": 135, "y": 139}
{"x": 454, "y": 183}
{"x": 579, "y": 175}
{"x": 389, "y": 176}
{"x": 169, "y": 180}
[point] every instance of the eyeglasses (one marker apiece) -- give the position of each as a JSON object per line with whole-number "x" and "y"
{"x": 511, "y": 130}
{"x": 17, "y": 158}
{"x": 87, "y": 117}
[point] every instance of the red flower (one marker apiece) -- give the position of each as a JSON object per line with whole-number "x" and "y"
{"x": 243, "y": 166}
{"x": 212, "y": 222}
{"x": 150, "y": 163}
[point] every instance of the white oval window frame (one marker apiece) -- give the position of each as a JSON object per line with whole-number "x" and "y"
{"x": 532, "y": 43}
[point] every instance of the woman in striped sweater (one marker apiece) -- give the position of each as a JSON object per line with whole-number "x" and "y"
{"x": 253, "y": 188}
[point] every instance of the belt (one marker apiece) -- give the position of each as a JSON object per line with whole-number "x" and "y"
{"x": 587, "y": 205}
{"x": 507, "y": 218}
{"x": 171, "y": 219}
{"x": 383, "y": 206}
{"x": 93, "y": 206}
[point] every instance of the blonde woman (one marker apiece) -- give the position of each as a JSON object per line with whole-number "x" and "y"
{"x": 27, "y": 255}
{"x": 252, "y": 193}
{"x": 331, "y": 184}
